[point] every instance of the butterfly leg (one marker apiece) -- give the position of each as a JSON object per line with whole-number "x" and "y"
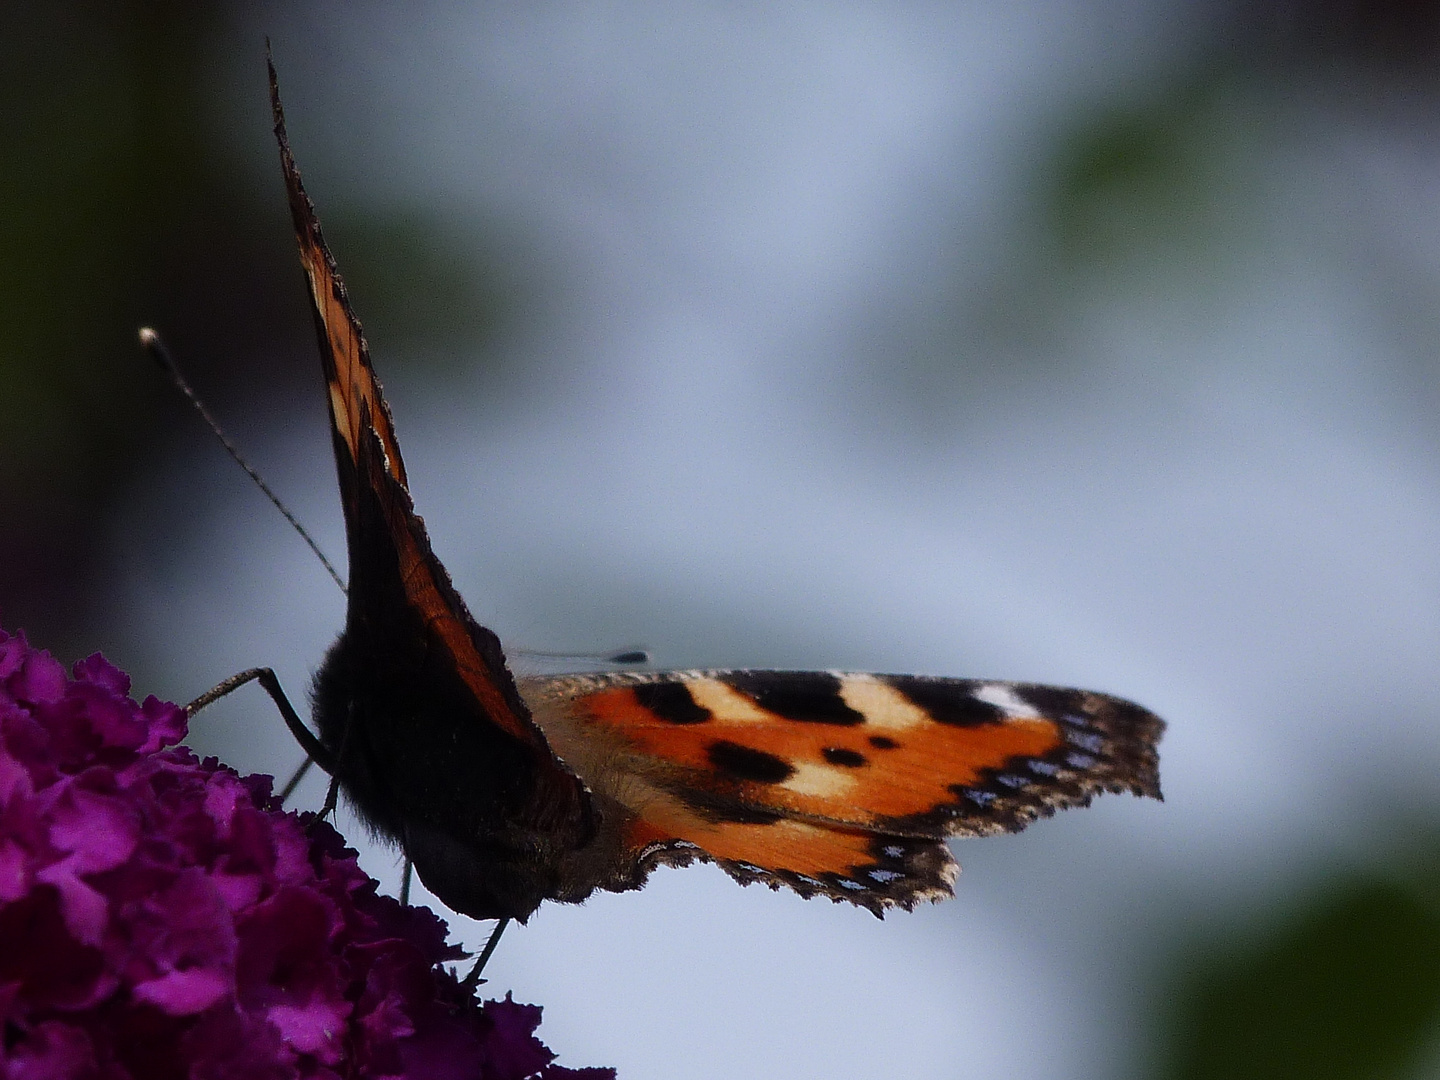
{"x": 312, "y": 746}
{"x": 472, "y": 980}
{"x": 332, "y": 797}
{"x": 405, "y": 881}
{"x": 332, "y": 793}
{"x": 294, "y": 781}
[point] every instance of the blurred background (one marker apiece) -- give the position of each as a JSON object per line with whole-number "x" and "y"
{"x": 1083, "y": 343}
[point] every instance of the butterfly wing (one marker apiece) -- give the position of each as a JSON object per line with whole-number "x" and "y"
{"x": 432, "y": 740}
{"x": 839, "y": 784}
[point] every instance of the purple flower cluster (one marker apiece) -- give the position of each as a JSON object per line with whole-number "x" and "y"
{"x": 161, "y": 918}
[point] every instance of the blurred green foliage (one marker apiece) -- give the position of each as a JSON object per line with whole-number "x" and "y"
{"x": 1165, "y": 173}
{"x": 1343, "y": 985}
{"x": 120, "y": 206}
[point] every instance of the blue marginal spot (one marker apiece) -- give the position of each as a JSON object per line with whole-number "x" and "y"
{"x": 1085, "y": 740}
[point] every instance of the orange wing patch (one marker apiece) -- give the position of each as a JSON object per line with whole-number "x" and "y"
{"x": 887, "y": 766}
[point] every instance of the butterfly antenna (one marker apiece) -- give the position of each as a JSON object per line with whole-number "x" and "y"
{"x": 151, "y": 343}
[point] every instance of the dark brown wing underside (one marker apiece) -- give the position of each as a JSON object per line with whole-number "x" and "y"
{"x": 434, "y": 744}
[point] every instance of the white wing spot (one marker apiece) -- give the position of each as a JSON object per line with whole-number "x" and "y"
{"x": 726, "y": 703}
{"x": 1003, "y": 697}
{"x": 884, "y": 707}
{"x": 820, "y": 781}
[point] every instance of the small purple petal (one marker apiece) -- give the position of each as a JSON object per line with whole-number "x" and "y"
{"x": 13, "y": 650}
{"x": 96, "y": 669}
{"x": 512, "y": 1048}
{"x": 314, "y": 1028}
{"x": 184, "y": 993}
{"x": 85, "y": 910}
{"x": 52, "y": 1050}
{"x": 39, "y": 681}
{"x": 100, "y": 830}
{"x": 14, "y": 870}
{"x": 167, "y": 722}
{"x": 54, "y": 970}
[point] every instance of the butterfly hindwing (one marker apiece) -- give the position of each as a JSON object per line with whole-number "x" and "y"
{"x": 840, "y": 783}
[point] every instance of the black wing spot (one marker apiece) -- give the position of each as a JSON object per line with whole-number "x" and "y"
{"x": 671, "y": 701}
{"x": 746, "y": 763}
{"x": 883, "y": 742}
{"x": 838, "y": 755}
{"x": 809, "y": 696}
{"x": 948, "y": 701}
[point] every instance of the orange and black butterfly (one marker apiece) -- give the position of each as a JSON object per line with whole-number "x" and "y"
{"x": 505, "y": 793}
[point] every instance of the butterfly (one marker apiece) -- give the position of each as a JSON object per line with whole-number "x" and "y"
{"x": 505, "y": 793}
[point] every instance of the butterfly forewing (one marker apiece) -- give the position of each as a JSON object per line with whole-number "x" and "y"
{"x": 430, "y": 737}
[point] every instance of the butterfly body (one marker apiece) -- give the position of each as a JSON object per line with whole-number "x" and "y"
{"x": 506, "y": 794}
